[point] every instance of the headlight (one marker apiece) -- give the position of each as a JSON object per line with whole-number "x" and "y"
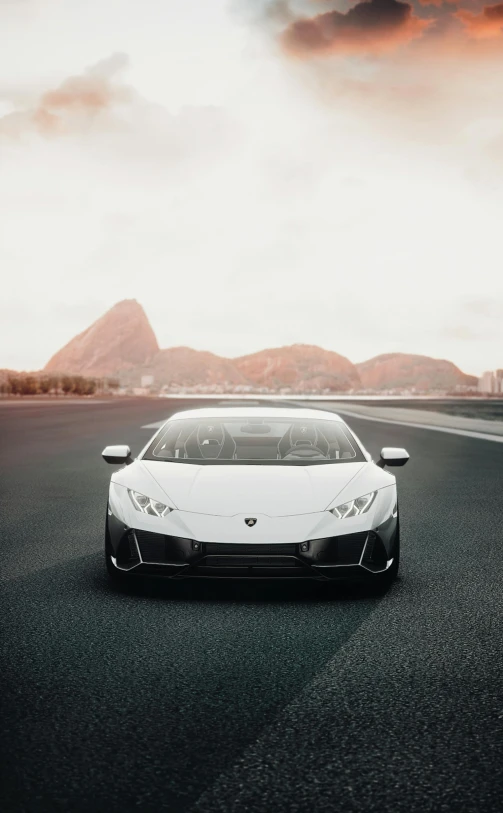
{"x": 148, "y": 506}
{"x": 354, "y": 508}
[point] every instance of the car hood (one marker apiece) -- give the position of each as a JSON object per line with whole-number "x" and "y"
{"x": 234, "y": 489}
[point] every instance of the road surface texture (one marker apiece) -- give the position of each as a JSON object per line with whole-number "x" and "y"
{"x": 245, "y": 697}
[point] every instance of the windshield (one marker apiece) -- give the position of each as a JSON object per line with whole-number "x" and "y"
{"x": 292, "y": 441}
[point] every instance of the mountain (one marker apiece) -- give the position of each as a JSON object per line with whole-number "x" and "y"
{"x": 122, "y": 344}
{"x": 120, "y": 339}
{"x": 186, "y": 367}
{"x": 404, "y": 370}
{"x": 302, "y": 367}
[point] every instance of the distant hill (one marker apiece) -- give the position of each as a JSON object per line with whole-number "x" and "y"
{"x": 303, "y": 367}
{"x": 121, "y": 343}
{"x": 186, "y": 367}
{"x": 404, "y": 370}
{"x": 120, "y": 339}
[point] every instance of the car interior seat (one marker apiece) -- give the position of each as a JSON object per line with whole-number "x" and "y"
{"x": 210, "y": 441}
{"x": 303, "y": 440}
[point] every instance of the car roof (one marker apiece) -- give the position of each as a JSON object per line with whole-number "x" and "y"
{"x": 257, "y": 412}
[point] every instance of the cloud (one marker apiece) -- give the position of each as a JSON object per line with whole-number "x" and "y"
{"x": 484, "y": 307}
{"x": 314, "y": 28}
{"x": 486, "y": 25}
{"x": 458, "y": 332}
{"x": 78, "y": 103}
{"x": 412, "y": 71}
{"x": 372, "y": 26}
{"x": 98, "y": 108}
{"x": 93, "y": 90}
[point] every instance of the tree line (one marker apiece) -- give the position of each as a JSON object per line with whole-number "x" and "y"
{"x": 33, "y": 384}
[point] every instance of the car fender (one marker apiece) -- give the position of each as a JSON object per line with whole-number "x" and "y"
{"x": 369, "y": 478}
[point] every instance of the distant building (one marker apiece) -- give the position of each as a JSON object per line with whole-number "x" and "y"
{"x": 491, "y": 382}
{"x": 486, "y": 382}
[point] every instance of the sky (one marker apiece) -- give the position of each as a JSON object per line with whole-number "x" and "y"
{"x": 255, "y": 173}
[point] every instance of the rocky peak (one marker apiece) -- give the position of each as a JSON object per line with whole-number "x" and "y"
{"x": 120, "y": 339}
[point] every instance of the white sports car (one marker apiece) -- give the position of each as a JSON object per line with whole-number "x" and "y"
{"x": 253, "y": 492}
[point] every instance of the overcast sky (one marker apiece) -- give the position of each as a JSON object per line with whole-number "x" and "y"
{"x": 254, "y": 173}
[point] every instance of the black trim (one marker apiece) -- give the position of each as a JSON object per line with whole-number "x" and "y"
{"x": 330, "y": 558}
{"x": 116, "y": 530}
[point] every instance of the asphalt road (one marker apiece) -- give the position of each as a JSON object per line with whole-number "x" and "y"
{"x": 230, "y": 697}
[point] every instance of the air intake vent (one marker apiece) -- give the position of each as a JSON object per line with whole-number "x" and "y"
{"x": 161, "y": 548}
{"x": 341, "y": 550}
{"x": 152, "y": 546}
{"x": 375, "y": 555}
{"x": 127, "y": 553}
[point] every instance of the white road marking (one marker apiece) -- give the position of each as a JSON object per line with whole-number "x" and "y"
{"x": 465, "y": 432}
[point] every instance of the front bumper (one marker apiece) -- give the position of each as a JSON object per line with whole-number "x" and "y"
{"x": 353, "y": 556}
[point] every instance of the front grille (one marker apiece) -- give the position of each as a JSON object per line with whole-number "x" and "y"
{"x": 257, "y": 549}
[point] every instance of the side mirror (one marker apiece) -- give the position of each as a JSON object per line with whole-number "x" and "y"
{"x": 117, "y": 454}
{"x": 392, "y": 457}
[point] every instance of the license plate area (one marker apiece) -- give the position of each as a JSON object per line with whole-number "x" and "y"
{"x": 250, "y": 561}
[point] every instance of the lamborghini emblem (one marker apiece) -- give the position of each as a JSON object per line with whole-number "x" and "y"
{"x": 251, "y": 521}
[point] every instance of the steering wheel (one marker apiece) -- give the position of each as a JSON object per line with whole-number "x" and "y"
{"x": 301, "y": 448}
